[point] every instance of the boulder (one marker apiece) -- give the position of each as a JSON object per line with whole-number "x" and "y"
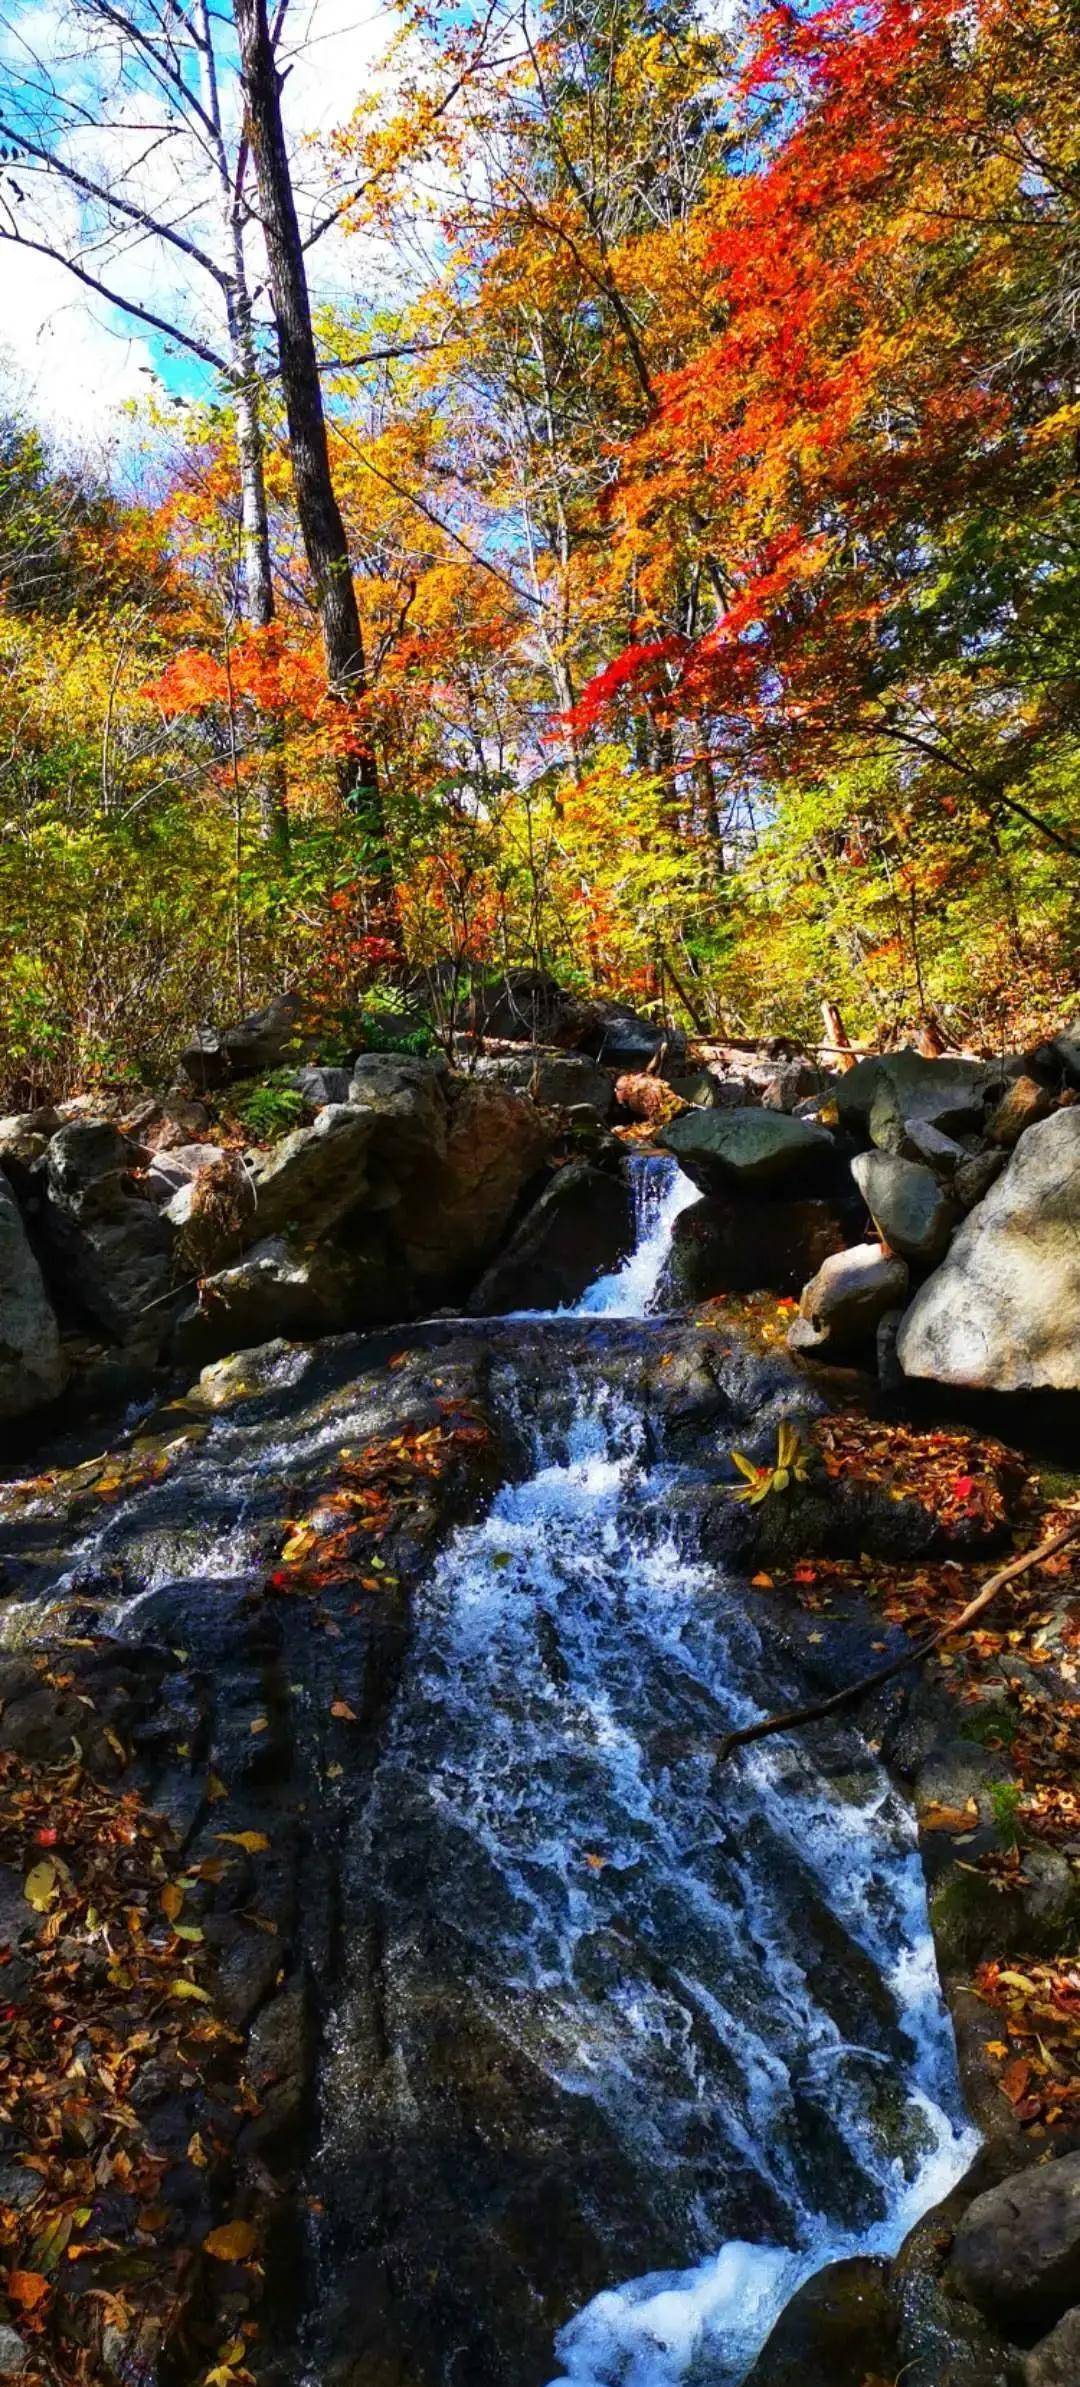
{"x": 213, "y": 1057}
{"x": 756, "y": 1149}
{"x": 838, "y": 2328}
{"x": 975, "y": 1176}
{"x": 942, "y": 1153}
{"x": 449, "y": 1221}
{"x": 947, "y": 1094}
{"x": 842, "y": 1305}
{"x": 725, "y": 1244}
{"x": 617, "y": 1036}
{"x": 106, "y": 1244}
{"x": 907, "y": 1205}
{"x": 317, "y": 1087}
{"x": 795, "y": 1082}
{"x": 24, "y": 1140}
{"x": 278, "y": 1289}
{"x": 1016, "y": 2253}
{"x": 1055, "y": 2361}
{"x": 581, "y": 1227}
{"x": 1024, "y": 1104}
{"x": 314, "y": 1176}
{"x": 521, "y": 1006}
{"x": 405, "y": 1099}
{"x": 1057, "y": 1061}
{"x": 1003, "y": 1311}
{"x": 31, "y": 1363}
{"x": 554, "y": 1079}
{"x": 175, "y": 1165}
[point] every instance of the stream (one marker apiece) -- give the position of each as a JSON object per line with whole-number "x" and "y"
{"x": 616, "y": 2047}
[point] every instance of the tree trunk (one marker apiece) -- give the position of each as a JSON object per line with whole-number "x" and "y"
{"x": 321, "y": 526}
{"x": 268, "y": 729}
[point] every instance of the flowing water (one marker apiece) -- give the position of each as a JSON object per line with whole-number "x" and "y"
{"x": 713, "y": 1989}
{"x": 733, "y": 1972}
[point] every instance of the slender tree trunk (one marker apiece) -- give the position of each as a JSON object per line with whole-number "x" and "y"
{"x": 256, "y": 568}
{"x": 321, "y": 526}
{"x": 255, "y": 563}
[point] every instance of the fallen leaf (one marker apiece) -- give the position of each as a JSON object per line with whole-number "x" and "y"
{"x": 39, "y": 1888}
{"x": 341, "y": 1708}
{"x": 252, "y": 1841}
{"x": 26, "y": 2289}
{"x": 232, "y": 2243}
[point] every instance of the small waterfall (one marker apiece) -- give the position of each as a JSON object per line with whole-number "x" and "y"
{"x": 735, "y": 1973}
{"x": 715, "y": 1992}
{"x": 660, "y": 1191}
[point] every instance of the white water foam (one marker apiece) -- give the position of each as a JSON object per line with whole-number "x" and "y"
{"x": 646, "y": 1929}
{"x": 659, "y": 1191}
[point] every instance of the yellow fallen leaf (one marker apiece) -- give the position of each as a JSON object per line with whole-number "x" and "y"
{"x": 232, "y": 2243}
{"x": 252, "y": 1841}
{"x": 182, "y": 1987}
{"x": 259, "y": 1724}
{"x": 39, "y": 1888}
{"x": 341, "y": 1709}
{"x": 172, "y": 1899}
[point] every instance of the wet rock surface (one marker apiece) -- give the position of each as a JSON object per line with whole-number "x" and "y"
{"x": 508, "y": 2040}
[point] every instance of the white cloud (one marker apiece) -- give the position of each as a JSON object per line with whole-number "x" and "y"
{"x": 71, "y": 366}
{"x": 72, "y": 359}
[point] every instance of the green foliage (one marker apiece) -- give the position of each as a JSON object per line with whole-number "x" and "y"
{"x": 384, "y": 1028}
{"x": 270, "y": 1106}
{"x": 1005, "y": 1798}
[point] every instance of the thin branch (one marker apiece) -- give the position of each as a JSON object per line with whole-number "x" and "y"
{"x": 790, "y": 1718}
{"x": 116, "y": 298}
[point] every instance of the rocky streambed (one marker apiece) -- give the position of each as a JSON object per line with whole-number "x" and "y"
{"x": 562, "y": 2051}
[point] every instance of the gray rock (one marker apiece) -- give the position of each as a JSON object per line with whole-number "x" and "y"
{"x": 942, "y": 1153}
{"x": 279, "y": 1290}
{"x": 947, "y": 1094}
{"x": 14, "y": 2354}
{"x": 406, "y": 1098}
{"x": 752, "y": 1148}
{"x": 725, "y": 1244}
{"x": 975, "y": 1176}
{"x": 558, "y": 1081}
{"x": 1003, "y": 1311}
{"x": 320, "y": 1086}
{"x": 906, "y": 1204}
{"x": 176, "y": 1165}
{"x": 581, "y": 1227}
{"x": 107, "y": 1246}
{"x": 615, "y": 1035}
{"x": 842, "y": 1304}
{"x": 316, "y": 1175}
{"x": 32, "y": 1368}
{"x": 1057, "y": 1061}
{"x": 1055, "y": 2361}
{"x": 796, "y": 1082}
{"x": 24, "y": 1138}
{"x": 1016, "y": 2252}
{"x": 263, "y": 1041}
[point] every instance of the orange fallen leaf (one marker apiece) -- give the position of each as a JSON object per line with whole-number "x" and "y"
{"x": 232, "y": 2243}
{"x": 27, "y": 2289}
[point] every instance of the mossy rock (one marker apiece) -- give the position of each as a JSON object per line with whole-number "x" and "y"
{"x": 837, "y": 2331}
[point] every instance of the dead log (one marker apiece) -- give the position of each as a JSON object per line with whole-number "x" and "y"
{"x": 790, "y": 1719}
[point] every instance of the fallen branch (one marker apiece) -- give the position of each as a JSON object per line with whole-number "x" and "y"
{"x": 790, "y": 1718}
